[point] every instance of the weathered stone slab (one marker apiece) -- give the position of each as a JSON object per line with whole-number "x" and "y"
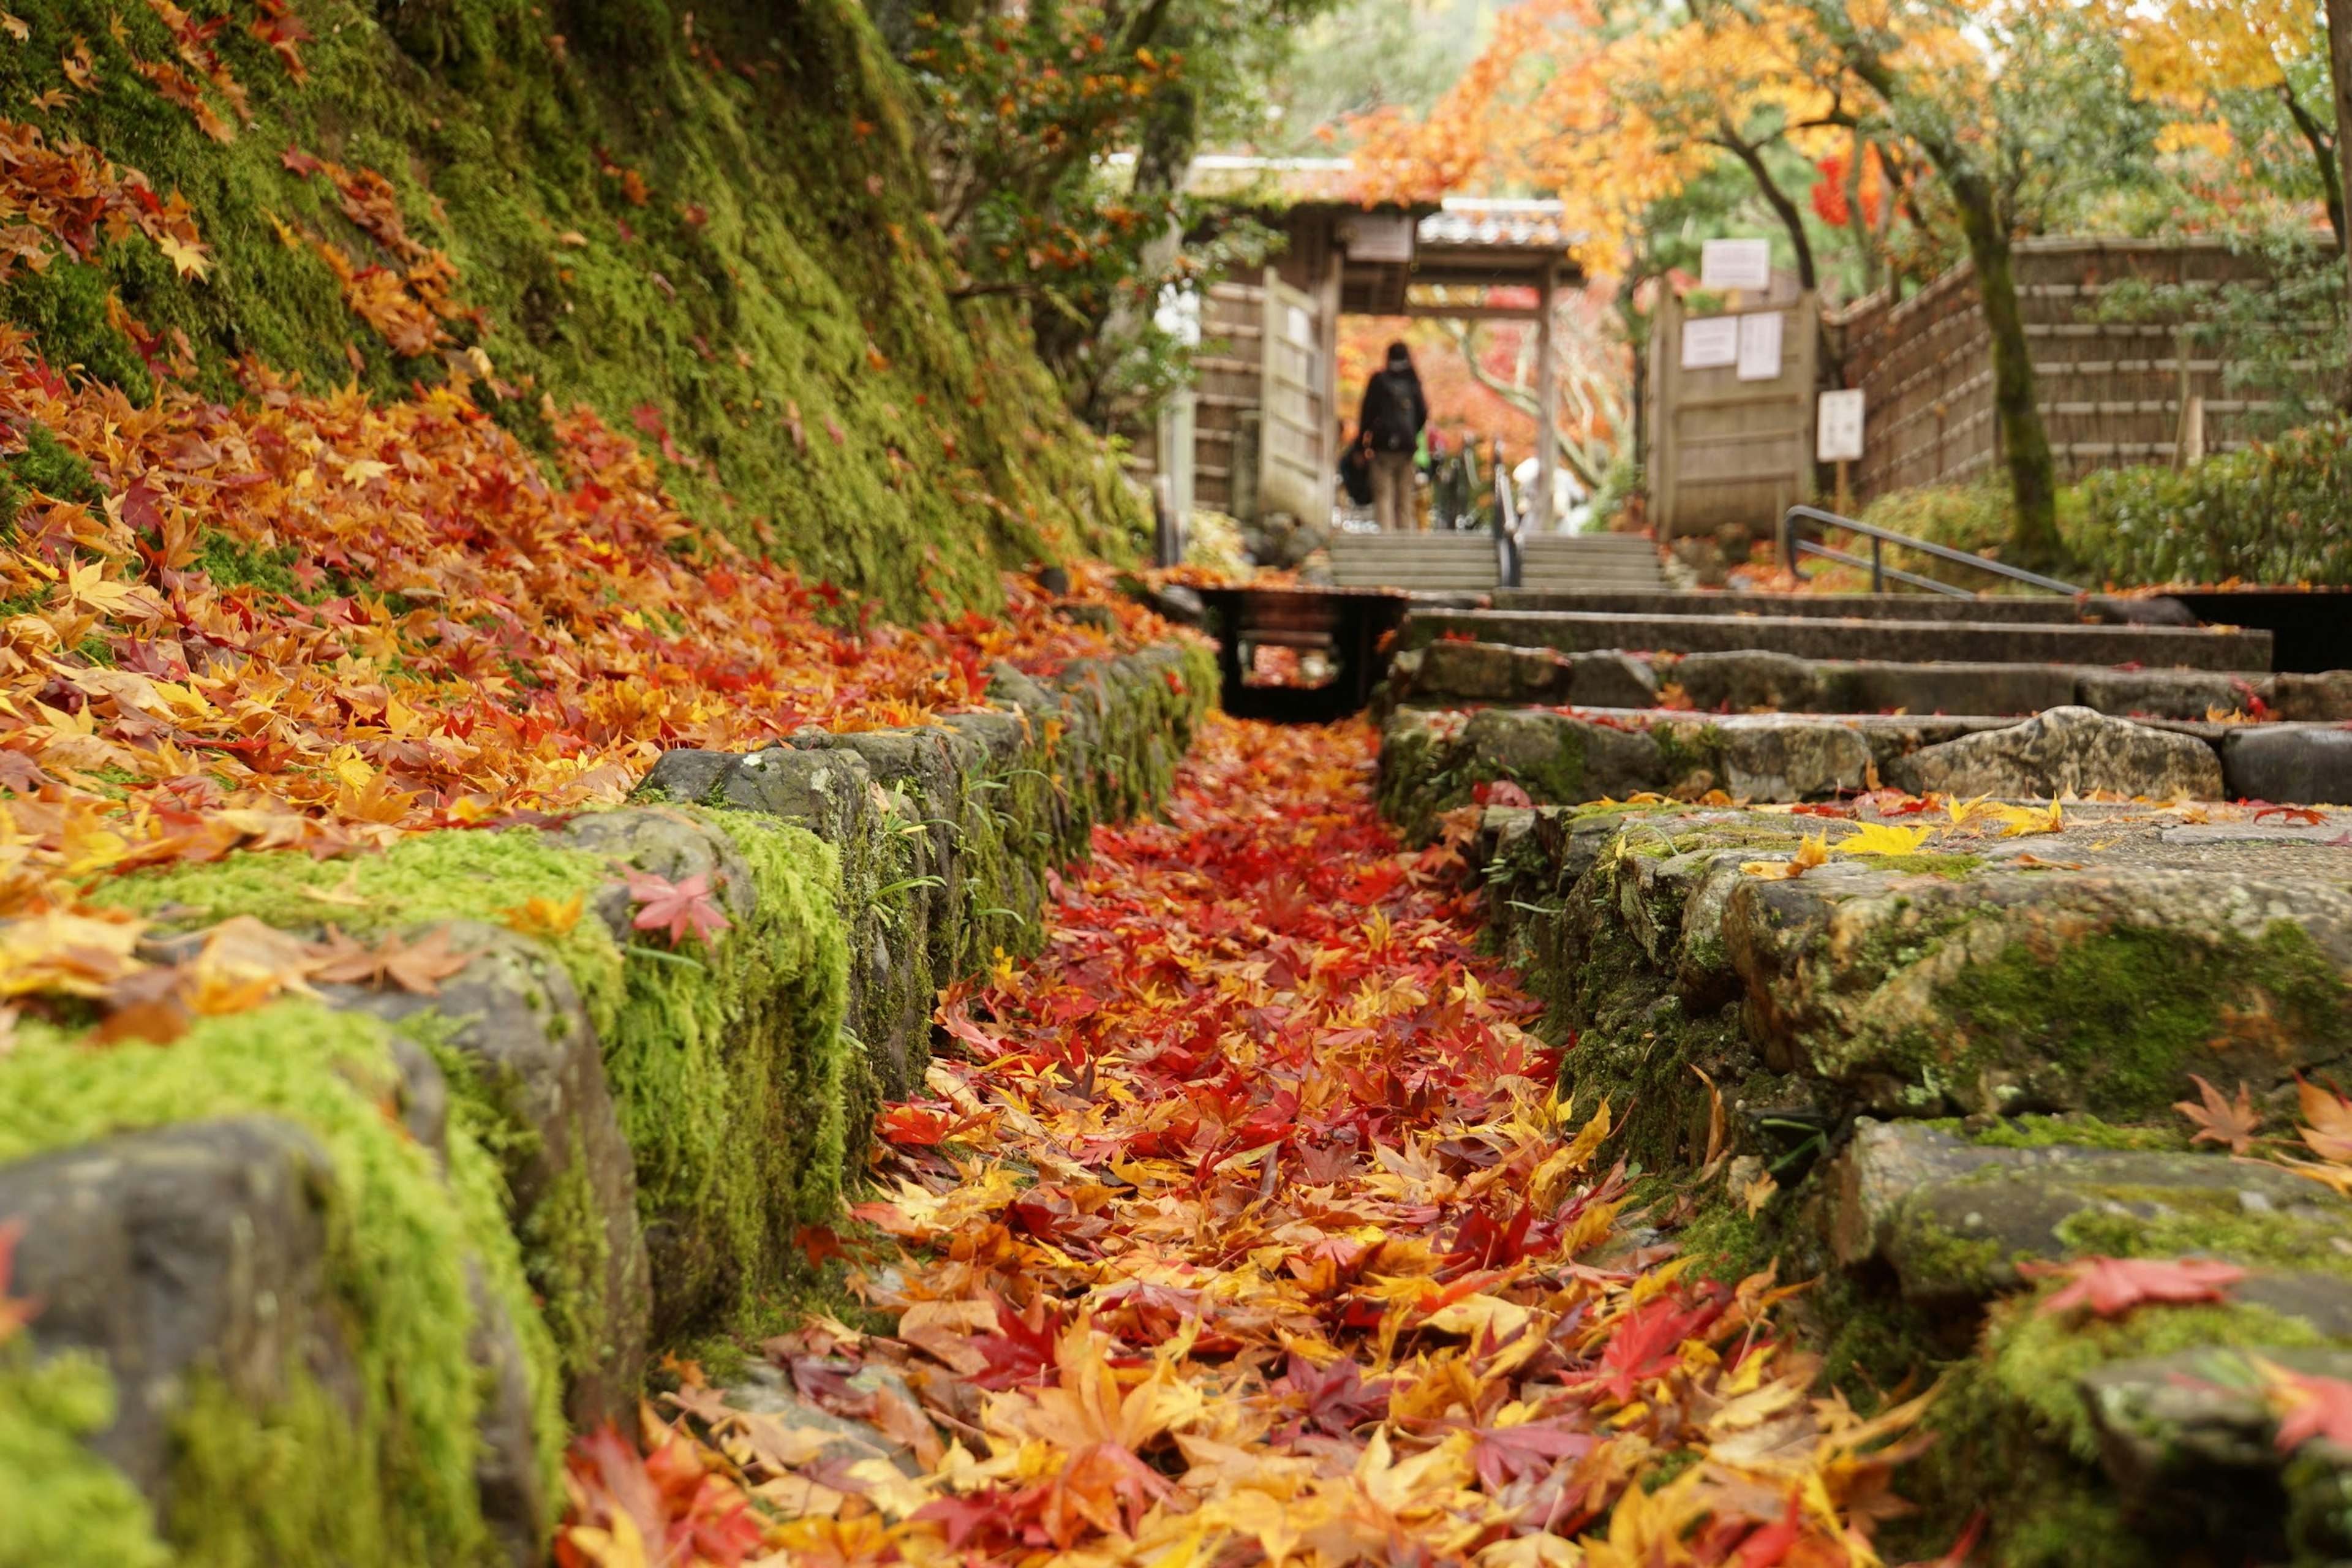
{"x": 2302, "y": 766}
{"x": 192, "y": 1250}
{"x": 1954, "y": 1218}
{"x": 1897, "y": 641}
{"x": 1740, "y": 682}
{"x": 2167, "y": 693}
{"x": 2190, "y": 1439}
{"x": 2067, "y": 751}
{"x": 2325, "y": 697}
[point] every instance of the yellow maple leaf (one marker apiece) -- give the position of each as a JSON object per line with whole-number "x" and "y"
{"x": 190, "y": 257}
{"x": 2018, "y": 821}
{"x": 1811, "y": 852}
{"x": 1883, "y": 839}
{"x": 545, "y": 917}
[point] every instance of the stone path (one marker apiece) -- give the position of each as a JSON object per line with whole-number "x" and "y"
{"x": 1246, "y": 1223}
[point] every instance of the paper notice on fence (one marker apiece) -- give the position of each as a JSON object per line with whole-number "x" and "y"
{"x": 1760, "y": 346}
{"x": 1734, "y": 264}
{"x": 1710, "y": 342}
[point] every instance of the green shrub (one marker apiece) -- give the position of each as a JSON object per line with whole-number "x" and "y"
{"x": 2278, "y": 511}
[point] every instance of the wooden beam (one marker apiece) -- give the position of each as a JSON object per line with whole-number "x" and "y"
{"x": 1473, "y": 312}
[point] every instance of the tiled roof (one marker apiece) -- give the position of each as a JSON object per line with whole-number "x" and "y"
{"x": 1497, "y": 223}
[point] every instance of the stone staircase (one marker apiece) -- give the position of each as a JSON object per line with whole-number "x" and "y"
{"x": 1937, "y": 1071}
{"x": 1458, "y": 562}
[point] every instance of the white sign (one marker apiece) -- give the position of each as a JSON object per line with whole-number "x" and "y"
{"x": 1735, "y": 264}
{"x": 1837, "y": 427}
{"x": 1760, "y": 346}
{"x": 1710, "y": 342}
{"x": 1378, "y": 236}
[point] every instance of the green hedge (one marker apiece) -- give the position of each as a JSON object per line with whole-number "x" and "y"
{"x": 2278, "y": 511}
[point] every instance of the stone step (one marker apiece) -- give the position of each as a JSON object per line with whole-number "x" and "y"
{"x": 1445, "y": 674}
{"x": 2004, "y": 610}
{"x": 2189, "y": 647}
{"x": 1435, "y": 762}
{"x": 1616, "y": 562}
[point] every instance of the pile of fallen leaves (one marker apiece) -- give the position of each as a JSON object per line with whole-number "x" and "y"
{"x": 1245, "y": 1224}
{"x": 309, "y": 619}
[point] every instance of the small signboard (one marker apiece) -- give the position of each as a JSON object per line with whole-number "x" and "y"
{"x": 1760, "y": 346}
{"x": 1735, "y": 264}
{"x": 1837, "y": 427}
{"x": 1710, "y": 342}
{"x": 1378, "y": 236}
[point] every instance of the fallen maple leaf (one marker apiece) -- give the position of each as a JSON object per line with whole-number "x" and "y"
{"x": 680, "y": 907}
{"x": 2113, "y": 1286}
{"x": 2219, "y": 1121}
{"x": 538, "y": 916}
{"x": 420, "y": 968}
{"x": 1811, "y": 852}
{"x": 2311, "y": 1406}
{"x": 1882, "y": 838}
{"x": 2327, "y": 1121}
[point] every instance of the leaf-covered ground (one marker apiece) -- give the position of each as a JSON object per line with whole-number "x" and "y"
{"x": 1245, "y": 1224}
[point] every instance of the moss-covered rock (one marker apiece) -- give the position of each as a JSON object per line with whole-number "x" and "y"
{"x": 706, "y": 222}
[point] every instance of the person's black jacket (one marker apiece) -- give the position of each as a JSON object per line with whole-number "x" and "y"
{"x": 1394, "y": 410}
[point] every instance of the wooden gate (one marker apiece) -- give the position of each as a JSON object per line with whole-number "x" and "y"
{"x": 1726, "y": 449}
{"x": 1295, "y": 436}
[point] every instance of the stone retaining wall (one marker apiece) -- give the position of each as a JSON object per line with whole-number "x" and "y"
{"x": 1912, "y": 1078}
{"x": 330, "y": 1281}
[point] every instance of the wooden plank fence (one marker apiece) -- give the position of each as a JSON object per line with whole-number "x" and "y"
{"x": 2114, "y": 394}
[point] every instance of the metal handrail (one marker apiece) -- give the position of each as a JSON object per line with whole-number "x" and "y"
{"x": 1508, "y": 525}
{"x": 1792, "y": 546}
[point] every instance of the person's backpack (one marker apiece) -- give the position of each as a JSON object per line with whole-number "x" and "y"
{"x": 1392, "y": 411}
{"x": 1356, "y": 474}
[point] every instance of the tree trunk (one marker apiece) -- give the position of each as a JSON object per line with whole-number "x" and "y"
{"x": 1777, "y": 199}
{"x": 2024, "y": 440}
{"x": 2323, "y": 157}
{"x": 2339, "y": 71}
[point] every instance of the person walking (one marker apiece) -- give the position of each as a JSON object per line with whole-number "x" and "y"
{"x": 1389, "y": 427}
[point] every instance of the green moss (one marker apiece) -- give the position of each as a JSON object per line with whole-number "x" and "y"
{"x": 253, "y": 1488}
{"x": 230, "y": 564}
{"x": 2038, "y": 1358}
{"x": 45, "y": 467}
{"x": 729, "y": 1074}
{"x": 1951, "y": 866}
{"x": 2142, "y": 1008}
{"x": 2074, "y": 1129}
{"x": 61, "y": 1506}
{"x": 2126, "y": 1221}
{"x": 397, "y": 1248}
{"x": 781, "y": 271}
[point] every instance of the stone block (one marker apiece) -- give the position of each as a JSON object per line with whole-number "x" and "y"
{"x": 2067, "y": 751}
{"x": 1612, "y": 680}
{"x": 199, "y": 1248}
{"x": 2167, "y": 693}
{"x": 1743, "y": 682}
{"x": 2322, "y": 697}
{"x": 1954, "y": 1218}
{"x": 1774, "y": 757}
{"x": 571, "y": 1179}
{"x": 2294, "y": 765}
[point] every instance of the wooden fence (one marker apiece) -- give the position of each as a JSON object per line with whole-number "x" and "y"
{"x": 2114, "y": 394}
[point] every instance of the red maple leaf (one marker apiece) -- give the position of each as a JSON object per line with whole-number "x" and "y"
{"x": 2317, "y": 1407}
{"x": 1500, "y": 792}
{"x": 1503, "y": 1454}
{"x": 1022, "y": 1350}
{"x": 681, "y": 906}
{"x": 2113, "y": 1286}
{"x": 1333, "y": 1399}
{"x": 1648, "y": 1341}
